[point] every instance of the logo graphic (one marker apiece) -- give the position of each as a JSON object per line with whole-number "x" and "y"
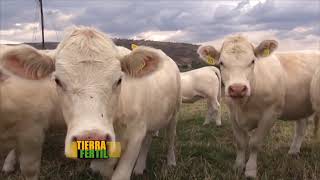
{"x": 92, "y": 149}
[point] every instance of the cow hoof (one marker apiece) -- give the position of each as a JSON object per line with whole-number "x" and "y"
{"x": 251, "y": 174}
{"x": 172, "y": 163}
{"x": 94, "y": 167}
{"x": 206, "y": 123}
{"x": 293, "y": 152}
{"x": 8, "y": 169}
{"x": 32, "y": 178}
{"x": 156, "y": 134}
{"x": 238, "y": 168}
{"x": 250, "y": 178}
{"x": 138, "y": 170}
{"x": 171, "y": 159}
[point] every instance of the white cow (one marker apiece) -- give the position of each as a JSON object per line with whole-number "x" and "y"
{"x": 203, "y": 83}
{"x": 315, "y": 98}
{"x": 26, "y": 109}
{"x": 104, "y": 96}
{"x": 56, "y": 123}
{"x": 261, "y": 88}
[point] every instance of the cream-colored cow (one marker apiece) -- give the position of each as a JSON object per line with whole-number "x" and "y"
{"x": 26, "y": 109}
{"x": 104, "y": 96}
{"x": 203, "y": 83}
{"x": 261, "y": 87}
{"x": 315, "y": 98}
{"x": 56, "y": 123}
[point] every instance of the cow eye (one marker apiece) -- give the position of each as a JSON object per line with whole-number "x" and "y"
{"x": 221, "y": 63}
{"x": 58, "y": 82}
{"x": 119, "y": 81}
{"x": 252, "y": 62}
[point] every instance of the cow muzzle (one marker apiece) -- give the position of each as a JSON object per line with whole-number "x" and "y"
{"x": 92, "y": 135}
{"x": 237, "y": 90}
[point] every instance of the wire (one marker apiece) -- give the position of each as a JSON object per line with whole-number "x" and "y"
{"x": 36, "y": 19}
{"x": 54, "y": 27}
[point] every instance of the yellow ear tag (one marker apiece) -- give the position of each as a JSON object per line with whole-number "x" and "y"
{"x": 142, "y": 65}
{"x": 266, "y": 52}
{"x": 138, "y": 65}
{"x": 211, "y": 60}
{"x": 133, "y": 46}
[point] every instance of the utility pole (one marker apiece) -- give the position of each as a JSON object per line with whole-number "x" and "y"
{"x": 42, "y": 24}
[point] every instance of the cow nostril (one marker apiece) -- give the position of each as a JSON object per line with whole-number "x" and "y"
{"x": 74, "y": 138}
{"x": 108, "y": 138}
{"x": 231, "y": 89}
{"x": 244, "y": 88}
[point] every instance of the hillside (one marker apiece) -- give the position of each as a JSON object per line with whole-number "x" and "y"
{"x": 185, "y": 55}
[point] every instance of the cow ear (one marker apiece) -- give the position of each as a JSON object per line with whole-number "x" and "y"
{"x": 209, "y": 54}
{"x": 265, "y": 48}
{"x": 27, "y": 62}
{"x": 140, "y": 62}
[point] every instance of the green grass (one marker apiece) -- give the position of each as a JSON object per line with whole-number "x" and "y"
{"x": 203, "y": 152}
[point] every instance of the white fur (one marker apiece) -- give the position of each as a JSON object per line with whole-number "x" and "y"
{"x": 278, "y": 87}
{"x": 203, "y": 83}
{"x": 27, "y": 108}
{"x": 89, "y": 65}
{"x": 315, "y": 98}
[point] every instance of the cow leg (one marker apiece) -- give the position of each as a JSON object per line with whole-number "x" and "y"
{"x": 242, "y": 140}
{"x": 213, "y": 112}
{"x": 156, "y": 133}
{"x": 209, "y": 115}
{"x": 255, "y": 141}
{"x": 316, "y": 126}
{"x": 104, "y": 167}
{"x": 300, "y": 129}
{"x": 10, "y": 162}
{"x": 9, "y": 143}
{"x": 142, "y": 159}
{"x": 128, "y": 158}
{"x": 217, "y": 112}
{"x": 171, "y": 158}
{"x": 30, "y": 148}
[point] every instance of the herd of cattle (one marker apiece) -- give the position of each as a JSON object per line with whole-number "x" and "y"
{"x": 102, "y": 91}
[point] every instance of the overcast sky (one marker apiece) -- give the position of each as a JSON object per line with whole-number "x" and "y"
{"x": 294, "y": 23}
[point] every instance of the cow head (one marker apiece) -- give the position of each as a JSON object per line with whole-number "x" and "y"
{"x": 236, "y": 60}
{"x": 88, "y": 73}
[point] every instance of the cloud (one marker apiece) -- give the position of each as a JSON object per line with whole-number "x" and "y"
{"x": 161, "y": 35}
{"x": 27, "y": 32}
{"x": 59, "y": 20}
{"x": 188, "y": 21}
{"x": 9, "y": 42}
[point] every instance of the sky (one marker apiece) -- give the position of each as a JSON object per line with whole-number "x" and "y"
{"x": 294, "y": 23}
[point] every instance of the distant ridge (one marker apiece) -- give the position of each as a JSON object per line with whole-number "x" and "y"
{"x": 185, "y": 55}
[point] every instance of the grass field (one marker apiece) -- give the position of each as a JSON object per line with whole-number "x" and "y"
{"x": 203, "y": 153}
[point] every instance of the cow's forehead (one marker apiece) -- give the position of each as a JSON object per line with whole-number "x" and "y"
{"x": 89, "y": 69}
{"x": 86, "y": 54}
{"x": 237, "y": 48}
{"x": 83, "y": 44}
